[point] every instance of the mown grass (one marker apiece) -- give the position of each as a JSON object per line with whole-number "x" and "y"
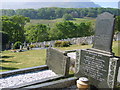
{"x": 18, "y": 60}
{"x": 115, "y": 48}
{"x": 31, "y": 58}
{"x": 74, "y": 47}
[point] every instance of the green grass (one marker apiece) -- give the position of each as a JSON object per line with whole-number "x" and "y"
{"x": 31, "y": 58}
{"x": 73, "y": 47}
{"x": 115, "y": 48}
{"x": 52, "y": 22}
{"x": 18, "y": 60}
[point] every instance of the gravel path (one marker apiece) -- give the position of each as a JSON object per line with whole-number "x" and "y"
{"x": 23, "y": 78}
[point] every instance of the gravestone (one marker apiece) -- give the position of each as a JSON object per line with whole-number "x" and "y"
{"x": 104, "y": 32}
{"x": 24, "y": 45}
{"x": 57, "y": 61}
{"x": 12, "y": 46}
{"x": 20, "y": 47}
{"x": 99, "y": 64}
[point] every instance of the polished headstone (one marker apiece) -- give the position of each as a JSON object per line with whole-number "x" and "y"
{"x": 104, "y": 32}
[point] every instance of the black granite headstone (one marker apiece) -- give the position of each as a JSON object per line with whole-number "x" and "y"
{"x": 104, "y": 32}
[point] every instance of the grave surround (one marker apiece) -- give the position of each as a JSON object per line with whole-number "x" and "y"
{"x": 99, "y": 64}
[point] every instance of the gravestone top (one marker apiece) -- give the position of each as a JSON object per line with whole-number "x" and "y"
{"x": 104, "y": 32}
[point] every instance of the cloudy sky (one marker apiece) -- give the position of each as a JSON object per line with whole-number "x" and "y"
{"x": 104, "y": 3}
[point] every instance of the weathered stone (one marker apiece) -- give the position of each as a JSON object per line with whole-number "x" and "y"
{"x": 57, "y": 61}
{"x": 104, "y": 32}
{"x": 98, "y": 64}
{"x": 100, "y": 68}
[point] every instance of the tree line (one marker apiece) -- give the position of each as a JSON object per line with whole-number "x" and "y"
{"x": 13, "y": 27}
{"x": 54, "y": 12}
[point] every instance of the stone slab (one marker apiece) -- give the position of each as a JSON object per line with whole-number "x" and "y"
{"x": 101, "y": 69}
{"x": 57, "y": 61}
{"x": 67, "y": 82}
{"x": 104, "y": 32}
{"x": 24, "y": 70}
{"x": 36, "y": 82}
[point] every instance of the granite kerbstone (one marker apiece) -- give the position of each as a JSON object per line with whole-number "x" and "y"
{"x": 22, "y": 71}
{"x": 57, "y": 84}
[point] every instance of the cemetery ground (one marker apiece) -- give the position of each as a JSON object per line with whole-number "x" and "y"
{"x": 17, "y": 60}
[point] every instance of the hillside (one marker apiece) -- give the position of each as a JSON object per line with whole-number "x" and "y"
{"x": 36, "y": 5}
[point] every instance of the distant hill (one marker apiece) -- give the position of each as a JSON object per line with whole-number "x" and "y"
{"x": 36, "y": 5}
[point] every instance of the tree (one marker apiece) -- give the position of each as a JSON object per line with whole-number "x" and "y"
{"x": 4, "y": 38}
{"x": 117, "y": 25}
{"x": 36, "y": 33}
{"x": 14, "y": 27}
{"x": 84, "y": 29}
{"x": 67, "y": 17}
{"x": 66, "y": 29}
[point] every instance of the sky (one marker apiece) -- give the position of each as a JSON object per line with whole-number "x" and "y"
{"x": 103, "y": 3}
{"x": 59, "y": 0}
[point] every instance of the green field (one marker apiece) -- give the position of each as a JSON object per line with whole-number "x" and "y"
{"x": 18, "y": 60}
{"x": 52, "y": 22}
{"x": 31, "y": 58}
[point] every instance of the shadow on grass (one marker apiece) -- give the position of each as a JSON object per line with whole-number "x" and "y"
{"x": 4, "y": 61}
{"x": 7, "y": 56}
{"x": 7, "y": 68}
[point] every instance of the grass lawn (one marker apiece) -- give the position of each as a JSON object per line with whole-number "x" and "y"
{"x": 31, "y": 58}
{"x": 18, "y": 60}
{"x": 115, "y": 48}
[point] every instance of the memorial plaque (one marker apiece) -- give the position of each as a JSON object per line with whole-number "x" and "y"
{"x": 101, "y": 69}
{"x": 104, "y": 32}
{"x": 57, "y": 61}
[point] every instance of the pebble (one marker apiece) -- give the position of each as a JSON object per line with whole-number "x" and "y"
{"x": 24, "y": 78}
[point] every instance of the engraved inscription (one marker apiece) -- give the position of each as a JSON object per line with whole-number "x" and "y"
{"x": 93, "y": 65}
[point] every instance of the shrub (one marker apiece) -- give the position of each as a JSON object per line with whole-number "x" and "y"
{"x": 84, "y": 43}
{"x": 67, "y": 17}
{"x": 65, "y": 44}
{"x": 32, "y": 46}
{"x": 17, "y": 45}
{"x": 46, "y": 45}
{"x": 62, "y": 44}
{"x": 58, "y": 43}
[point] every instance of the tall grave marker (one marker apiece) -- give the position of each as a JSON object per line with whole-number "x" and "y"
{"x": 99, "y": 64}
